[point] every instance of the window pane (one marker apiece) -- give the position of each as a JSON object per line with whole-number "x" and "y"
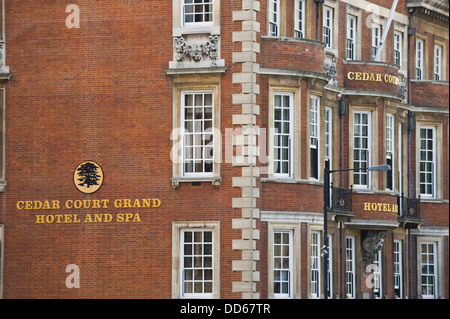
{"x": 276, "y": 288}
{"x": 207, "y": 262}
{"x": 208, "y": 287}
{"x": 187, "y": 249}
{"x": 208, "y": 113}
{"x": 277, "y": 251}
{"x": 276, "y": 275}
{"x": 285, "y": 263}
{"x": 187, "y": 287}
{"x": 207, "y": 249}
{"x": 187, "y": 262}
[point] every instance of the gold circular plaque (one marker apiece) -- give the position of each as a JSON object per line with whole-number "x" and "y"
{"x": 88, "y": 177}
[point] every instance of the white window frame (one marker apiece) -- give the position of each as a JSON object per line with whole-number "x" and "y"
{"x": 378, "y": 275}
{"x": 314, "y": 131}
{"x": 204, "y": 158}
{"x": 438, "y": 62}
{"x": 192, "y": 267}
{"x": 281, "y": 137}
{"x": 299, "y": 19}
{"x": 360, "y": 148}
{"x": 376, "y": 38}
{"x": 420, "y": 50}
{"x": 400, "y": 164}
{"x": 390, "y": 146}
{"x": 350, "y": 276}
{"x": 280, "y": 263}
{"x": 328, "y": 139}
{"x": 398, "y": 48}
{"x": 330, "y": 266}
{"x": 314, "y": 120}
{"x": 425, "y": 161}
{"x": 328, "y": 20}
{"x": 315, "y": 265}
{"x": 430, "y": 264}
{"x": 329, "y": 135}
{"x": 204, "y": 3}
{"x": 278, "y": 224}
{"x": 178, "y": 227}
{"x": 398, "y": 268}
{"x": 351, "y": 37}
{"x": 274, "y": 18}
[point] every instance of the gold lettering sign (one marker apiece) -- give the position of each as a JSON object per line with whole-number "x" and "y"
{"x": 87, "y": 204}
{"x": 88, "y": 218}
{"x": 55, "y": 206}
{"x": 372, "y": 77}
{"x": 381, "y": 207}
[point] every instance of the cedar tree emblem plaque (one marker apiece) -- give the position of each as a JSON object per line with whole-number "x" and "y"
{"x": 88, "y": 177}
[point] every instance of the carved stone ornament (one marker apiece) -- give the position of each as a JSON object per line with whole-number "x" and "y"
{"x": 402, "y": 89}
{"x": 330, "y": 69}
{"x": 197, "y": 52}
{"x": 372, "y": 242}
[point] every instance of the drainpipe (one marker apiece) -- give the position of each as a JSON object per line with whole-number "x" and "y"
{"x": 318, "y": 2}
{"x": 342, "y": 108}
{"x": 409, "y": 265}
{"x": 341, "y": 257}
{"x": 411, "y": 33}
{"x": 409, "y": 128}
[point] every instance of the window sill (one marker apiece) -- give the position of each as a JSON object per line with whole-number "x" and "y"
{"x": 291, "y": 181}
{"x": 430, "y": 81}
{"x": 199, "y": 28}
{"x": 370, "y": 63}
{"x": 364, "y": 190}
{"x": 4, "y": 73}
{"x": 294, "y": 39}
{"x": 332, "y": 51}
{"x": 215, "y": 181}
{"x": 202, "y": 70}
{"x": 433, "y": 200}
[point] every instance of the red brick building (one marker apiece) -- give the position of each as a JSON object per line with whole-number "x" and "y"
{"x": 180, "y": 149}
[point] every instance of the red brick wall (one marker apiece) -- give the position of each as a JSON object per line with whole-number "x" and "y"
{"x": 263, "y": 260}
{"x": 100, "y": 93}
{"x": 427, "y": 94}
{"x": 291, "y": 197}
{"x": 434, "y": 214}
{"x": 292, "y": 54}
